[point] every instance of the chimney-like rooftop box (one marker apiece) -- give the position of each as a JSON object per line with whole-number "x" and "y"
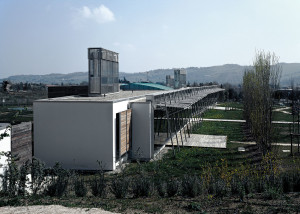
{"x": 103, "y": 71}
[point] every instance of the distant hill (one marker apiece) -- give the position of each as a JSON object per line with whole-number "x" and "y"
{"x": 225, "y": 73}
{"x": 231, "y": 73}
{"x": 71, "y": 78}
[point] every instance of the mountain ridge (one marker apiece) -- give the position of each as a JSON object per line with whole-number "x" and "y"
{"x": 227, "y": 73}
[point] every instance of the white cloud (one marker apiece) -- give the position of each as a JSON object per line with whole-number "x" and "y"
{"x": 100, "y": 14}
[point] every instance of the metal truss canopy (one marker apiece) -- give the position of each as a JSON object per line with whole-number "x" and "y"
{"x": 182, "y": 98}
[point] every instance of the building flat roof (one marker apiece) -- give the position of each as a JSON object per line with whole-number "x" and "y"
{"x": 179, "y": 98}
{"x": 112, "y": 97}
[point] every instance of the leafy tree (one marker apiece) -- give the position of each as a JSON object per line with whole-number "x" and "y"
{"x": 5, "y": 85}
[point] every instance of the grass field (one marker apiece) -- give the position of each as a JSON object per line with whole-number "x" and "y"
{"x": 215, "y": 166}
{"x": 221, "y": 114}
{"x": 232, "y": 130}
{"x": 238, "y": 105}
{"x": 280, "y": 116}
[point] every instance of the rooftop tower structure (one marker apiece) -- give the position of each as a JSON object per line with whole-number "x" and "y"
{"x": 103, "y": 71}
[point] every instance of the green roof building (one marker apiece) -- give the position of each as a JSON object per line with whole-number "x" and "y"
{"x": 144, "y": 86}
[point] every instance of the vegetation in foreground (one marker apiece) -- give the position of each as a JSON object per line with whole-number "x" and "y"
{"x": 195, "y": 180}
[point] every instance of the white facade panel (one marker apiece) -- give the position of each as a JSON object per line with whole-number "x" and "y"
{"x": 76, "y": 134}
{"x": 142, "y": 131}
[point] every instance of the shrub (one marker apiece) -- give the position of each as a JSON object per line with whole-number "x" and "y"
{"x": 59, "y": 181}
{"x": 287, "y": 183}
{"x": 80, "y": 187}
{"x": 23, "y": 178}
{"x": 10, "y": 176}
{"x": 119, "y": 186}
{"x": 37, "y": 175}
{"x": 141, "y": 186}
{"x": 98, "y": 182}
{"x": 172, "y": 187}
{"x": 221, "y": 188}
{"x": 190, "y": 186}
{"x": 271, "y": 193}
{"x": 211, "y": 187}
{"x": 235, "y": 185}
{"x": 259, "y": 185}
{"x": 98, "y": 185}
{"x": 248, "y": 185}
{"x": 194, "y": 206}
{"x": 296, "y": 181}
{"x": 4, "y": 177}
{"x": 161, "y": 187}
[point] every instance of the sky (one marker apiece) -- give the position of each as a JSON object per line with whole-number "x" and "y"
{"x": 52, "y": 36}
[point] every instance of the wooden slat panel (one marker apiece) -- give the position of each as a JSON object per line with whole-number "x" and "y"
{"x": 21, "y": 142}
{"x": 125, "y": 126}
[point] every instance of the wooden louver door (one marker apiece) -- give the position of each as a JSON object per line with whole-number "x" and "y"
{"x": 125, "y": 131}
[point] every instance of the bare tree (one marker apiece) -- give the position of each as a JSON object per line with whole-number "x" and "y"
{"x": 259, "y": 85}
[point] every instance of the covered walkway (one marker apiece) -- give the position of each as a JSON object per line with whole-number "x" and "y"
{"x": 178, "y": 112}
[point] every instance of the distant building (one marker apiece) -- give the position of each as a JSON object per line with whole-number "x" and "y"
{"x": 170, "y": 81}
{"x": 103, "y": 71}
{"x": 179, "y": 78}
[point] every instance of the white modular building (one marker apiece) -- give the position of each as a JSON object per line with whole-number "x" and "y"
{"x": 79, "y": 131}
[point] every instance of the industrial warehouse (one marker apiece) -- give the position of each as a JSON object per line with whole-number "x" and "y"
{"x": 112, "y": 126}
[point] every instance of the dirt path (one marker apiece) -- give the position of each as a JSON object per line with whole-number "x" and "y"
{"x": 283, "y": 110}
{"x": 243, "y": 121}
{"x": 51, "y": 209}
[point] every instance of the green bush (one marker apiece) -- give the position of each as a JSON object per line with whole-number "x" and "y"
{"x": 271, "y": 193}
{"x": 80, "y": 187}
{"x": 58, "y": 183}
{"x": 194, "y": 207}
{"x": 221, "y": 188}
{"x": 23, "y": 178}
{"x": 37, "y": 170}
{"x": 98, "y": 185}
{"x": 98, "y": 182}
{"x": 259, "y": 185}
{"x": 248, "y": 185}
{"x": 287, "y": 183}
{"x": 161, "y": 187}
{"x": 10, "y": 177}
{"x": 172, "y": 187}
{"x": 296, "y": 181}
{"x": 119, "y": 186}
{"x": 235, "y": 185}
{"x": 141, "y": 186}
{"x": 190, "y": 186}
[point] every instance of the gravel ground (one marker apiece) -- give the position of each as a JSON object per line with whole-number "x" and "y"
{"x": 51, "y": 209}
